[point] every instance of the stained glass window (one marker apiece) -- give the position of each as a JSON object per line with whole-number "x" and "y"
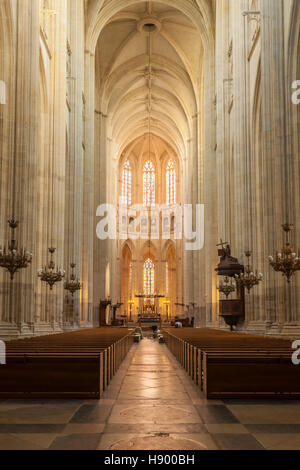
{"x": 149, "y": 277}
{"x": 149, "y": 184}
{"x": 167, "y": 278}
{"x": 127, "y": 184}
{"x": 171, "y": 183}
{"x": 130, "y": 280}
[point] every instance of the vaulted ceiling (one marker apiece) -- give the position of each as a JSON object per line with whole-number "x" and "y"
{"x": 149, "y": 59}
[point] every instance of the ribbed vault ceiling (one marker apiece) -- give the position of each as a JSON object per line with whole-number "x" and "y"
{"x": 149, "y": 79}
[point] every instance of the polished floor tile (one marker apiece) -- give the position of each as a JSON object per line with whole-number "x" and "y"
{"x": 37, "y": 414}
{"x": 154, "y": 428}
{"x": 266, "y": 414}
{"x": 273, "y": 428}
{"x": 216, "y": 414}
{"x": 92, "y": 414}
{"x": 26, "y": 441}
{"x": 237, "y": 442}
{"x": 226, "y": 429}
{"x": 279, "y": 441}
{"x": 159, "y": 442}
{"x": 81, "y": 428}
{"x": 31, "y": 428}
{"x": 151, "y": 404}
{"x": 76, "y": 442}
{"x": 154, "y": 414}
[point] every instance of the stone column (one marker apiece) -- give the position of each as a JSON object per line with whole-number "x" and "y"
{"x": 22, "y": 162}
{"x": 210, "y": 189}
{"x": 89, "y": 226}
{"x": 75, "y": 150}
{"x": 58, "y": 153}
{"x": 101, "y": 250}
{"x": 274, "y": 152}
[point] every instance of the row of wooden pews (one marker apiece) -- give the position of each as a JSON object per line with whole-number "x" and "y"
{"x": 232, "y": 365}
{"x": 80, "y": 364}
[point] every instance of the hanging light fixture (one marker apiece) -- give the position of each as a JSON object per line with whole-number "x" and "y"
{"x": 50, "y": 274}
{"x": 73, "y": 285}
{"x": 11, "y": 258}
{"x": 287, "y": 262}
{"x": 249, "y": 279}
{"x": 226, "y": 287}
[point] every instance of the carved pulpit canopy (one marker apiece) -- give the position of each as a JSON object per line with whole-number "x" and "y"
{"x": 228, "y": 266}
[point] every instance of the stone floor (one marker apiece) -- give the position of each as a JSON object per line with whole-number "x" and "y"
{"x": 150, "y": 404}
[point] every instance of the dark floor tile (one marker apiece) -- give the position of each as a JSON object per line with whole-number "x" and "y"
{"x": 44, "y": 401}
{"x": 256, "y": 402}
{"x": 76, "y": 442}
{"x": 216, "y": 414}
{"x": 237, "y": 442}
{"x": 92, "y": 414}
{"x": 273, "y": 428}
{"x": 31, "y": 428}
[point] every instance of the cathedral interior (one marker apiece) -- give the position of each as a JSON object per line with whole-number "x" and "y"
{"x": 149, "y": 181}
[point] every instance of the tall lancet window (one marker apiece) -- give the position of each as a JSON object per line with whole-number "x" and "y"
{"x": 149, "y": 184}
{"x": 167, "y": 278}
{"x": 149, "y": 278}
{"x": 127, "y": 184}
{"x": 171, "y": 183}
{"x": 130, "y": 280}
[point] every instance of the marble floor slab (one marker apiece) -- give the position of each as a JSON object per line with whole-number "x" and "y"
{"x": 151, "y": 404}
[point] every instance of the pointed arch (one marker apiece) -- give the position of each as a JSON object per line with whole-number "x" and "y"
{"x": 127, "y": 277}
{"x": 149, "y": 277}
{"x": 171, "y": 183}
{"x": 149, "y": 184}
{"x": 127, "y": 183}
{"x": 171, "y": 277}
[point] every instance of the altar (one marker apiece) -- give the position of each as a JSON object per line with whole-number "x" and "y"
{"x": 149, "y": 316}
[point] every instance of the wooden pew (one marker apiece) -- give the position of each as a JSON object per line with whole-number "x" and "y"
{"x": 250, "y": 375}
{"x": 203, "y": 354}
{"x": 71, "y": 365}
{"x": 52, "y": 376}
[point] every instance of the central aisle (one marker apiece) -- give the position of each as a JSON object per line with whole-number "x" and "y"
{"x": 155, "y": 405}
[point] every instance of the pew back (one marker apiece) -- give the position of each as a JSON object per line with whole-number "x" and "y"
{"x": 215, "y": 360}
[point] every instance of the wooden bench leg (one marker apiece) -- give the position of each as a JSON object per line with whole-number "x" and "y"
{"x": 105, "y": 370}
{"x": 101, "y": 374}
{"x": 195, "y": 361}
{"x": 199, "y": 369}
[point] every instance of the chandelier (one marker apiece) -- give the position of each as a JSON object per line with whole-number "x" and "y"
{"x": 226, "y": 287}
{"x": 11, "y": 258}
{"x": 49, "y": 274}
{"x": 73, "y": 285}
{"x": 287, "y": 262}
{"x": 249, "y": 279}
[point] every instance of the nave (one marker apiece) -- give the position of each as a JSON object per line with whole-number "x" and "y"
{"x": 151, "y": 403}
{"x": 149, "y": 175}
